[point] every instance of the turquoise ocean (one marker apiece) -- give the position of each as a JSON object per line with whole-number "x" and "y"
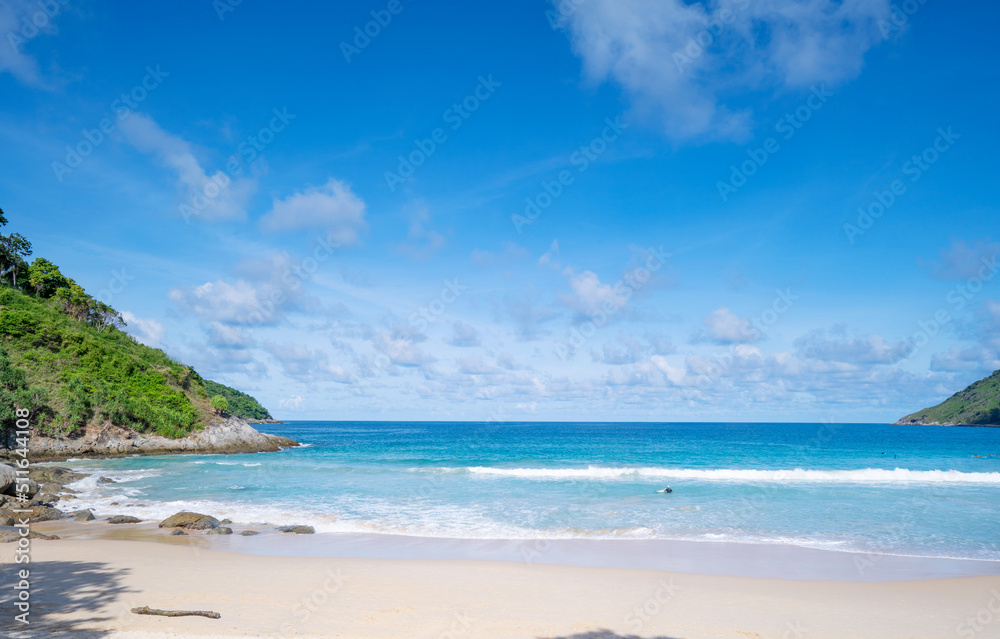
{"x": 869, "y": 488}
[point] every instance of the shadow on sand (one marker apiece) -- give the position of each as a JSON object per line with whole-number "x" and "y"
{"x": 607, "y": 634}
{"x": 59, "y": 588}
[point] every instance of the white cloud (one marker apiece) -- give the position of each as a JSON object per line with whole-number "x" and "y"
{"x": 591, "y": 296}
{"x": 147, "y": 331}
{"x": 968, "y": 261}
{"x": 837, "y": 346}
{"x": 722, "y": 326}
{"x": 475, "y": 366}
{"x": 14, "y": 58}
{"x": 675, "y": 58}
{"x": 399, "y": 345}
{"x": 465, "y": 335}
{"x": 210, "y": 197}
{"x": 332, "y": 207}
{"x": 421, "y": 242}
{"x": 222, "y": 302}
{"x": 295, "y": 403}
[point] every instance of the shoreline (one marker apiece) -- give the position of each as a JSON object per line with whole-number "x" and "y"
{"x": 785, "y": 562}
{"x": 85, "y": 588}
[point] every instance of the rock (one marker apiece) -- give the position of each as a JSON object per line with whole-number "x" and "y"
{"x": 106, "y": 480}
{"x": 226, "y": 521}
{"x": 46, "y": 498}
{"x": 6, "y": 518}
{"x": 221, "y": 530}
{"x": 44, "y": 513}
{"x": 228, "y": 434}
{"x": 114, "y": 503}
{"x": 249, "y": 533}
{"x": 28, "y": 492}
{"x": 298, "y": 530}
{"x": 123, "y": 519}
{"x": 178, "y": 531}
{"x": 190, "y": 520}
{"x": 84, "y": 515}
{"x": 10, "y": 534}
{"x": 7, "y": 477}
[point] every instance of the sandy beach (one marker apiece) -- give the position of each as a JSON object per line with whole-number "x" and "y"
{"x": 85, "y": 588}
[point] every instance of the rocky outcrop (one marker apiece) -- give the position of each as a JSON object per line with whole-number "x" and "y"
{"x": 221, "y": 530}
{"x": 298, "y": 530}
{"x": 10, "y": 534}
{"x": 227, "y": 435}
{"x": 7, "y": 477}
{"x": 190, "y": 520}
{"x": 123, "y": 519}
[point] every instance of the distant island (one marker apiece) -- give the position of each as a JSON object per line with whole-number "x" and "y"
{"x": 977, "y": 405}
{"x": 93, "y": 389}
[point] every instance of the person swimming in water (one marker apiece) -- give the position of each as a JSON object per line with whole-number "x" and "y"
{"x": 668, "y": 489}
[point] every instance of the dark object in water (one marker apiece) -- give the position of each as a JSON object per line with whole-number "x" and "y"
{"x": 668, "y": 489}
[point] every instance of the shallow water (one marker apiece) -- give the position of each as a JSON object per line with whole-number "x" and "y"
{"x": 901, "y": 490}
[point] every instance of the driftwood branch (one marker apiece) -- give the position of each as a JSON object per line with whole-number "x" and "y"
{"x": 146, "y": 610}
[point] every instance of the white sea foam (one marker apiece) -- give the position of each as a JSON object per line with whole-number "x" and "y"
{"x": 797, "y": 475}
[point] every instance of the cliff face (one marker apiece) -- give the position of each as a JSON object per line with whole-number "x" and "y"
{"x": 224, "y": 435}
{"x": 977, "y": 405}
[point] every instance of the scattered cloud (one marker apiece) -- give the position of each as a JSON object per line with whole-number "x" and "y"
{"x": 678, "y": 60}
{"x": 209, "y": 197}
{"x": 421, "y": 242}
{"x": 146, "y": 331}
{"x": 836, "y": 345}
{"x": 332, "y": 207}
{"x": 591, "y": 296}
{"x": 722, "y": 326}
{"x": 962, "y": 261}
{"x": 464, "y": 335}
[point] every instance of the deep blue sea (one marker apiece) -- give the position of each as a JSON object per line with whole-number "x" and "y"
{"x": 922, "y": 491}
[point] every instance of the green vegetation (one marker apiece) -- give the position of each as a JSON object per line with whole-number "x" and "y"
{"x": 64, "y": 356}
{"x": 239, "y": 404}
{"x": 220, "y": 404}
{"x": 977, "y": 404}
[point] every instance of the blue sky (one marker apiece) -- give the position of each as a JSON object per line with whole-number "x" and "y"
{"x": 598, "y": 209}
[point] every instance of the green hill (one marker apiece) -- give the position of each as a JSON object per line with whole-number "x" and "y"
{"x": 64, "y": 356}
{"x": 240, "y": 404}
{"x": 977, "y": 404}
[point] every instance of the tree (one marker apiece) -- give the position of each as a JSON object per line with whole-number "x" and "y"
{"x": 45, "y": 277}
{"x": 220, "y": 404}
{"x": 13, "y": 249}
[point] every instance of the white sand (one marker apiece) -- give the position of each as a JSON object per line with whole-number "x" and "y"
{"x": 86, "y": 587}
